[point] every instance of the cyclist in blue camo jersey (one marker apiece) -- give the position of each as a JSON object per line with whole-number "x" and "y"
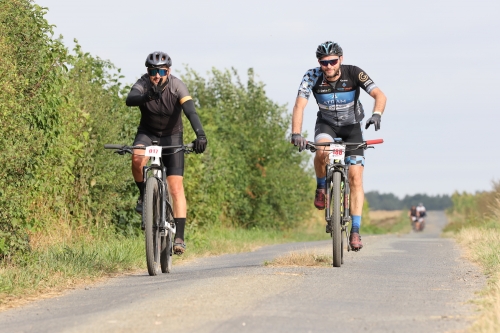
{"x": 336, "y": 88}
{"x": 162, "y": 97}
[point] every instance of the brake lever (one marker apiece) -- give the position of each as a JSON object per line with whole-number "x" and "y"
{"x": 123, "y": 151}
{"x": 311, "y": 148}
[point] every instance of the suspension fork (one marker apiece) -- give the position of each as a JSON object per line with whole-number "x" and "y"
{"x": 164, "y": 197}
{"x": 347, "y": 193}
{"x": 329, "y": 175}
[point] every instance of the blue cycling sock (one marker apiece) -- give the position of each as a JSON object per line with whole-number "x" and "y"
{"x": 356, "y": 223}
{"x": 321, "y": 182}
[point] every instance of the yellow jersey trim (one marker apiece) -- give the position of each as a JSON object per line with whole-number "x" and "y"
{"x": 185, "y": 99}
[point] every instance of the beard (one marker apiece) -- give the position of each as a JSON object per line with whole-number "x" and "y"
{"x": 333, "y": 75}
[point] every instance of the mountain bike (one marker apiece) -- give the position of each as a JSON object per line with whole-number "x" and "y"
{"x": 157, "y": 211}
{"x": 338, "y": 192}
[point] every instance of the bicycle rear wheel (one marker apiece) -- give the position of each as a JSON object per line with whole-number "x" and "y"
{"x": 151, "y": 216}
{"x": 336, "y": 216}
{"x": 167, "y": 241}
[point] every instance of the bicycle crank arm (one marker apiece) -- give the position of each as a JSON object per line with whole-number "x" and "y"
{"x": 170, "y": 227}
{"x": 347, "y": 241}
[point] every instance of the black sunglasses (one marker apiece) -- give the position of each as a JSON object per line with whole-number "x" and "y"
{"x": 332, "y": 62}
{"x": 154, "y": 71}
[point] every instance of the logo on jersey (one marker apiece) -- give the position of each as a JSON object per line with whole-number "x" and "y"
{"x": 324, "y": 90}
{"x": 362, "y": 77}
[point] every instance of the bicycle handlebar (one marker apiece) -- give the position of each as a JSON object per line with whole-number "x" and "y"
{"x": 364, "y": 145}
{"x": 128, "y": 149}
{"x": 374, "y": 141}
{"x": 368, "y": 142}
{"x": 113, "y": 146}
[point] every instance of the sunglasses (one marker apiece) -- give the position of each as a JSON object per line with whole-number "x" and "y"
{"x": 332, "y": 62}
{"x": 154, "y": 71}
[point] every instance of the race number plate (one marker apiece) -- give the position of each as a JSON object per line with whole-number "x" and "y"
{"x": 153, "y": 151}
{"x": 337, "y": 152}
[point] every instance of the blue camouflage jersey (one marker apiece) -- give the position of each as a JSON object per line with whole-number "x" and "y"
{"x": 338, "y": 101}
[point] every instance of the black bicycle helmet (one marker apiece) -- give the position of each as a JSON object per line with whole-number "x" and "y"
{"x": 328, "y": 48}
{"x": 158, "y": 59}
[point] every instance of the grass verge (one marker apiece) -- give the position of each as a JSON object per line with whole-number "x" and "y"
{"x": 482, "y": 246}
{"x": 384, "y": 222}
{"x": 474, "y": 221}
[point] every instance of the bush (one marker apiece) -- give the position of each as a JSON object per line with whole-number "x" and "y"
{"x": 251, "y": 175}
{"x": 58, "y": 108}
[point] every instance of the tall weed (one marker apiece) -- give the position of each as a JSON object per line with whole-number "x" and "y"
{"x": 475, "y": 222}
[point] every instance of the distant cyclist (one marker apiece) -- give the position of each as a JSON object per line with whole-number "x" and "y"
{"x": 162, "y": 97}
{"x": 421, "y": 214}
{"x": 413, "y": 216}
{"x": 336, "y": 88}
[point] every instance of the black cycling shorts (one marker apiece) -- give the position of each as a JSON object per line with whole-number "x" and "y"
{"x": 349, "y": 133}
{"x": 174, "y": 162}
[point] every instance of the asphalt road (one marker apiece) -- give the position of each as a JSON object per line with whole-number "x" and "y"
{"x": 412, "y": 283}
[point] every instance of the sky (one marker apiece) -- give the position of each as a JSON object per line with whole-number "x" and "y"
{"x": 435, "y": 60}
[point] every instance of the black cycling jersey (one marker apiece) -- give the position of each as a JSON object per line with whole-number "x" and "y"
{"x": 162, "y": 117}
{"x": 338, "y": 101}
{"x": 413, "y": 212}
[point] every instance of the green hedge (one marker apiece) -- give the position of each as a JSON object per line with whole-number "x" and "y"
{"x": 58, "y": 108}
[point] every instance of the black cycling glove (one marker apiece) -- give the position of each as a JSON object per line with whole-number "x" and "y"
{"x": 200, "y": 144}
{"x": 299, "y": 141}
{"x": 153, "y": 93}
{"x": 375, "y": 120}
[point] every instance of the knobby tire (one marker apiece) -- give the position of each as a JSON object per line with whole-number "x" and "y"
{"x": 336, "y": 216}
{"x": 151, "y": 216}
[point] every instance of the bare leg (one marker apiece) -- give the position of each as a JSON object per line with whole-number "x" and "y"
{"x": 138, "y": 162}
{"x": 320, "y": 160}
{"x": 176, "y": 188}
{"x": 356, "y": 184}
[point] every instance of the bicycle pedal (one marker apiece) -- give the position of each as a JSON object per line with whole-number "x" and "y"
{"x": 328, "y": 229}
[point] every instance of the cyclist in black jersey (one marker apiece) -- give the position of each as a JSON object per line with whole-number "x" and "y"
{"x": 162, "y": 97}
{"x": 336, "y": 88}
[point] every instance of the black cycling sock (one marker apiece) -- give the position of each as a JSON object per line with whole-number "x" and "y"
{"x": 140, "y": 186}
{"x": 180, "y": 223}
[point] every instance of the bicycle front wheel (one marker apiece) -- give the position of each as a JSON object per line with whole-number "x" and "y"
{"x": 151, "y": 216}
{"x": 336, "y": 216}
